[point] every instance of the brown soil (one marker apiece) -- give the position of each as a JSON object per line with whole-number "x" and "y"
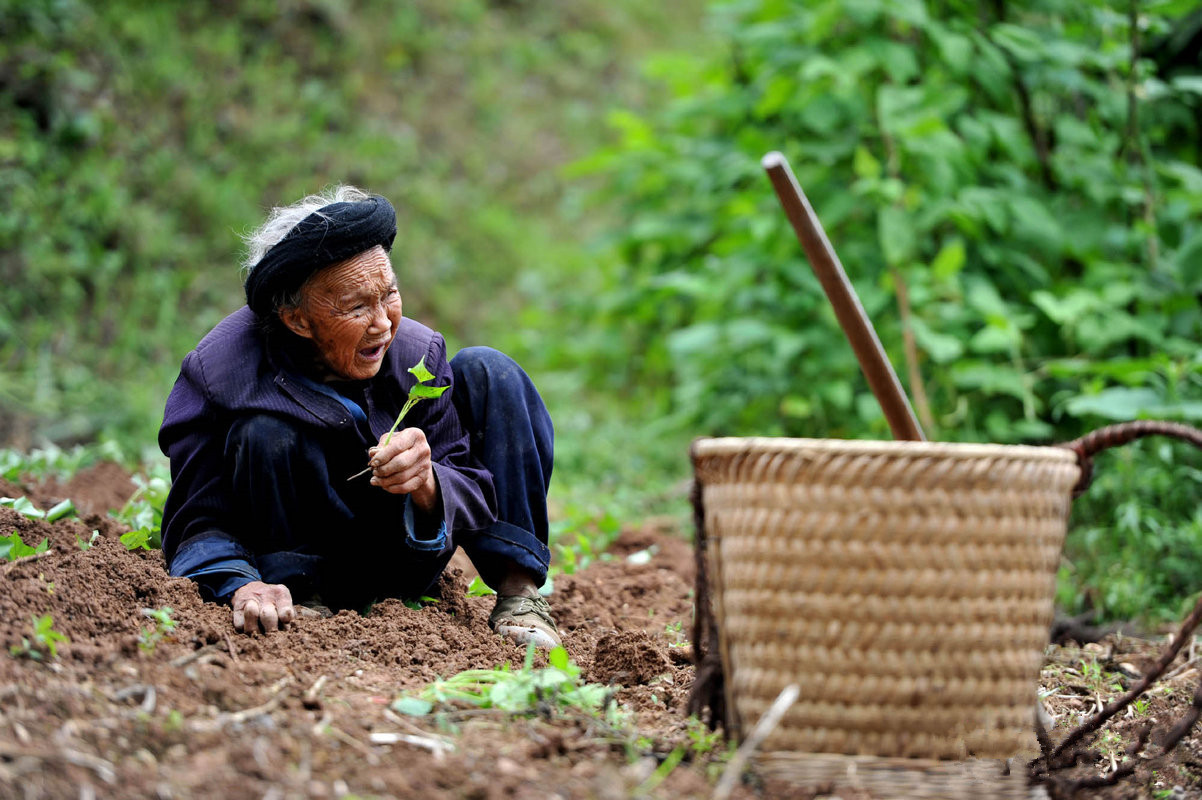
{"x": 208, "y": 712}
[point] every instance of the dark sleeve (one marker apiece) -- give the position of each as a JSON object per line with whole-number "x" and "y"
{"x": 196, "y": 542}
{"x": 465, "y": 486}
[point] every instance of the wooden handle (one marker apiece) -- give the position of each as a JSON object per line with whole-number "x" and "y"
{"x": 848, "y": 310}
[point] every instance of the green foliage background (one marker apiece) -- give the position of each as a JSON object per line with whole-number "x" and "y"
{"x": 1014, "y": 189}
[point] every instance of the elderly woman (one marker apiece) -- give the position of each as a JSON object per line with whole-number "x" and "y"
{"x": 294, "y": 393}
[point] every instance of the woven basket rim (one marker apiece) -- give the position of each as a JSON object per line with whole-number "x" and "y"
{"x": 731, "y": 445}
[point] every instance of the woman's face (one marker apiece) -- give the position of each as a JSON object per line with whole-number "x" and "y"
{"x": 350, "y": 311}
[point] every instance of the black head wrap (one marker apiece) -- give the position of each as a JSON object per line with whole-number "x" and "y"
{"x": 331, "y": 234}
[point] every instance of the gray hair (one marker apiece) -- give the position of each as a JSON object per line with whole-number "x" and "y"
{"x": 284, "y": 218}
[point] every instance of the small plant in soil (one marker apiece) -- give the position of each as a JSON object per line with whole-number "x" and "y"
{"x": 143, "y": 513}
{"x": 86, "y": 544}
{"x": 44, "y": 643}
{"x": 418, "y": 392}
{"x": 162, "y": 628}
{"x": 12, "y": 547}
{"x": 23, "y": 505}
{"x": 557, "y": 686}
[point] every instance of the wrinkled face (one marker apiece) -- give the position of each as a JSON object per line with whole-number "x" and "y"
{"x": 350, "y": 311}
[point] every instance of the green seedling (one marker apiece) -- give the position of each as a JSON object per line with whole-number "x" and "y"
{"x": 12, "y": 547}
{"x": 479, "y": 588}
{"x": 24, "y": 506}
{"x": 163, "y": 628}
{"x": 417, "y": 393}
{"x": 417, "y": 604}
{"x": 140, "y": 538}
{"x": 86, "y": 544}
{"x": 143, "y": 513}
{"x": 44, "y": 642}
{"x": 524, "y": 691}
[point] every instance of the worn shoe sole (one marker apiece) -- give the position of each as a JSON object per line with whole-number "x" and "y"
{"x": 525, "y": 620}
{"x": 526, "y": 634}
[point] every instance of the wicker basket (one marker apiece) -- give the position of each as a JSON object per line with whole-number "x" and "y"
{"x": 907, "y": 587}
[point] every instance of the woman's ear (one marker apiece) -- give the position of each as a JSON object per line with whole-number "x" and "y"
{"x": 295, "y": 320}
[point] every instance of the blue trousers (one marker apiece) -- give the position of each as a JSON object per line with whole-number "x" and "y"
{"x": 319, "y": 534}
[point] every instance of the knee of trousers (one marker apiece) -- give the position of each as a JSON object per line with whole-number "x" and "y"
{"x": 264, "y": 441}
{"x": 473, "y": 364}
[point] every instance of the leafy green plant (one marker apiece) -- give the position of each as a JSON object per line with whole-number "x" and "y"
{"x": 87, "y": 544}
{"x": 418, "y": 392}
{"x": 555, "y": 686}
{"x": 162, "y": 627}
{"x": 53, "y": 461}
{"x": 1135, "y": 535}
{"x": 13, "y": 547}
{"x": 44, "y": 643}
{"x": 143, "y": 513}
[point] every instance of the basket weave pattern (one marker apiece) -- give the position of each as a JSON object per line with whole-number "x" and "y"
{"x": 907, "y": 587}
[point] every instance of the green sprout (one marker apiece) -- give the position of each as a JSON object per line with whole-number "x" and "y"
{"x": 44, "y": 642}
{"x": 417, "y": 393}
{"x": 557, "y": 685}
{"x": 164, "y": 627}
{"x": 12, "y": 547}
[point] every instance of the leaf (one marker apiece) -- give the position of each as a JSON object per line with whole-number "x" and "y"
{"x": 1068, "y": 309}
{"x": 895, "y": 231}
{"x": 558, "y": 658}
{"x": 22, "y": 505}
{"x": 135, "y": 539}
{"x": 864, "y": 164}
{"x": 12, "y": 547}
{"x": 427, "y": 392}
{"x": 412, "y": 706}
{"x": 420, "y": 372}
{"x": 1188, "y": 83}
{"x": 478, "y": 588}
{"x": 1117, "y": 402}
{"x": 64, "y": 509}
{"x": 950, "y": 260}
{"x": 939, "y": 346}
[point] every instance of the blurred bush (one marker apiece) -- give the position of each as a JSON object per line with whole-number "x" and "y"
{"x": 1014, "y": 189}
{"x": 137, "y": 141}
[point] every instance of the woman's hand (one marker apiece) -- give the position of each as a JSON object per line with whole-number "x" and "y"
{"x": 403, "y": 466}
{"x": 262, "y": 605}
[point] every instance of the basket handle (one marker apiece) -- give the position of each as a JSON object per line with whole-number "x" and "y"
{"x": 1093, "y": 443}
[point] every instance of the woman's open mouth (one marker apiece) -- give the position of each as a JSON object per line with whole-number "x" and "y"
{"x": 373, "y": 353}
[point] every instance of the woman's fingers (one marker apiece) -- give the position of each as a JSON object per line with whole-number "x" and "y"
{"x": 262, "y": 606}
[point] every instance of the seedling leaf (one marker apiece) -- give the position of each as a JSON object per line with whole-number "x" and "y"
{"x": 413, "y": 706}
{"x": 478, "y": 588}
{"x": 12, "y": 547}
{"x": 135, "y": 539}
{"x": 427, "y": 392}
{"x": 22, "y": 505}
{"x": 420, "y": 372}
{"x": 558, "y": 658}
{"x": 416, "y": 392}
{"x": 64, "y": 509}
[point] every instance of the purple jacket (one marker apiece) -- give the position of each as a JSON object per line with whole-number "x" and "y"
{"x": 232, "y": 372}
